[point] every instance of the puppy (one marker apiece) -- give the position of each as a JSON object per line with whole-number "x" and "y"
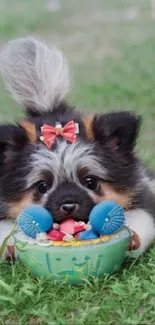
{"x": 62, "y": 158}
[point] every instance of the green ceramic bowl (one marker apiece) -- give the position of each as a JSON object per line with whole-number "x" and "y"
{"x": 75, "y": 264}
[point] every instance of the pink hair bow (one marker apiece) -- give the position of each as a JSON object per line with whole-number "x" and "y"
{"x": 50, "y": 133}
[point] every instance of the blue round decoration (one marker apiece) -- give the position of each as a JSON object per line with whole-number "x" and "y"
{"x": 34, "y": 220}
{"x": 87, "y": 235}
{"x": 106, "y": 218}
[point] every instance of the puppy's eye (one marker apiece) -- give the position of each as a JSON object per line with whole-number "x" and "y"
{"x": 42, "y": 187}
{"x": 91, "y": 183}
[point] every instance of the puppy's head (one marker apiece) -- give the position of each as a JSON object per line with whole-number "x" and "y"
{"x": 69, "y": 178}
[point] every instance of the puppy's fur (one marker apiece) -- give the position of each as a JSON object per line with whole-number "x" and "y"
{"x": 100, "y": 165}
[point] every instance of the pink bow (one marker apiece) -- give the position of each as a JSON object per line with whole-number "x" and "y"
{"x": 49, "y": 133}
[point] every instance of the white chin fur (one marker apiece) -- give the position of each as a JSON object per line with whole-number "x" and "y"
{"x": 35, "y": 72}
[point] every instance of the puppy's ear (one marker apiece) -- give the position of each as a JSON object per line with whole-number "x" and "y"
{"x": 12, "y": 140}
{"x": 117, "y": 131}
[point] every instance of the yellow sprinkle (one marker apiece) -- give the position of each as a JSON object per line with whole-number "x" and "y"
{"x": 66, "y": 243}
{"x": 78, "y": 243}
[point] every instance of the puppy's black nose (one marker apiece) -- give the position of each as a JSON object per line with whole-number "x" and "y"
{"x": 69, "y": 207}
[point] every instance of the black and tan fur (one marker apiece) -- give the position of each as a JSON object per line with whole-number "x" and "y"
{"x": 100, "y": 165}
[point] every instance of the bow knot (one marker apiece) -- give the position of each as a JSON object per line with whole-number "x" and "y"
{"x": 50, "y": 133}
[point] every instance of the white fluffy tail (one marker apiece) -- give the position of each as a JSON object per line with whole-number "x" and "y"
{"x": 35, "y": 72}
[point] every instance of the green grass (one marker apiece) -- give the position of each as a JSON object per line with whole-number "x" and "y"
{"x": 112, "y": 62}
{"x": 126, "y": 298}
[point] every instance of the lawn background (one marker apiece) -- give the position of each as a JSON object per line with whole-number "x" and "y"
{"x": 110, "y": 46}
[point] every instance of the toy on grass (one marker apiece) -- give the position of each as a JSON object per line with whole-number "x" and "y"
{"x": 34, "y": 220}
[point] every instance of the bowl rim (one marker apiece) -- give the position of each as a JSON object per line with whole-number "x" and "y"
{"x": 91, "y": 246}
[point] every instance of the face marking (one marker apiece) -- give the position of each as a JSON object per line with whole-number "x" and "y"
{"x": 23, "y": 202}
{"x": 123, "y": 197}
{"x": 43, "y": 161}
{"x": 64, "y": 163}
{"x": 30, "y": 129}
{"x": 88, "y": 124}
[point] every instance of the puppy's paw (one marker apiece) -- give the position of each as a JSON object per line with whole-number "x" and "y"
{"x": 134, "y": 242}
{"x": 11, "y": 256}
{"x": 10, "y": 253}
{"x": 134, "y": 247}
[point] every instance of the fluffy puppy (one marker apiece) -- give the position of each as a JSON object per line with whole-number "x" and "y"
{"x": 67, "y": 177}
